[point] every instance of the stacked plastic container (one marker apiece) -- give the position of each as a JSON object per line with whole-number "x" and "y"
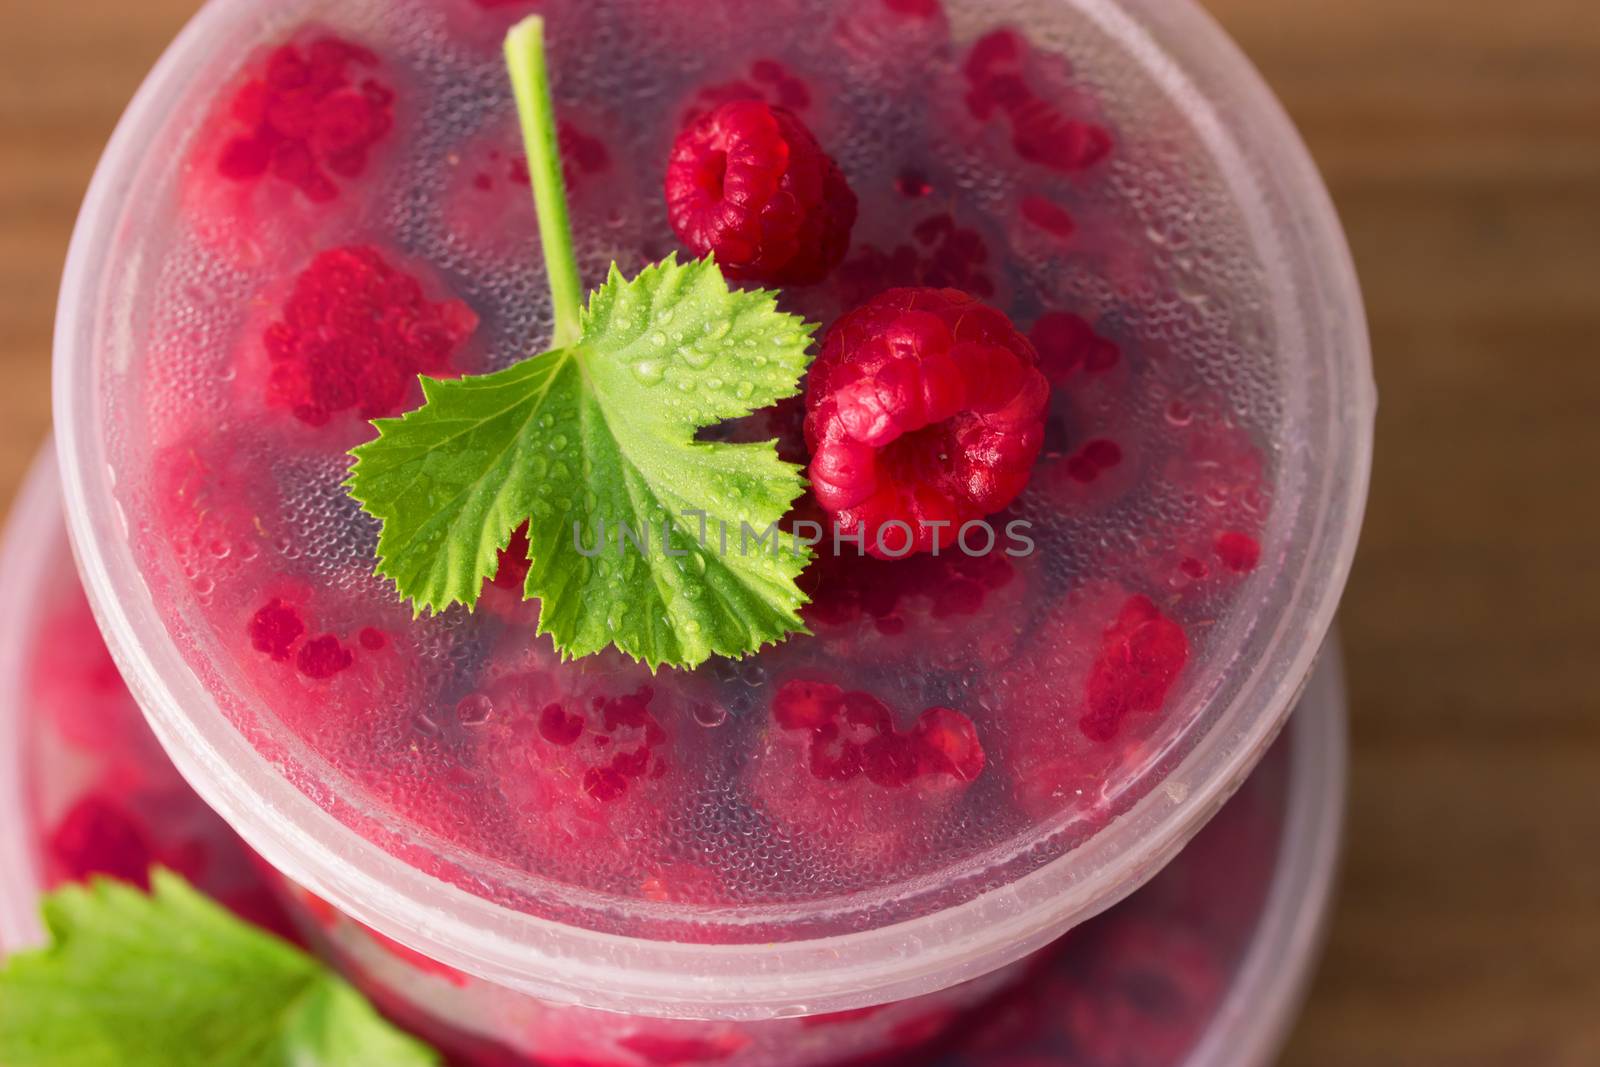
{"x": 1113, "y": 175}
{"x": 1226, "y": 935}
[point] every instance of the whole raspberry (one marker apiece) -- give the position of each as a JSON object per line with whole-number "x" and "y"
{"x": 355, "y": 333}
{"x": 748, "y": 184}
{"x": 1141, "y": 655}
{"x": 309, "y": 118}
{"x": 925, "y": 408}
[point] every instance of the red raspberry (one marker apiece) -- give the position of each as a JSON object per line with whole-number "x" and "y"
{"x": 584, "y": 759}
{"x": 1068, "y": 344}
{"x": 99, "y": 836}
{"x": 1049, "y": 216}
{"x": 355, "y": 333}
{"x": 1239, "y": 552}
{"x": 839, "y": 775}
{"x": 924, "y": 407}
{"x": 1002, "y": 72}
{"x": 1141, "y": 655}
{"x": 946, "y": 255}
{"x": 1081, "y": 699}
{"x": 767, "y": 80}
{"x": 954, "y": 611}
{"x": 275, "y": 628}
{"x": 323, "y": 657}
{"x": 1219, "y": 472}
{"x": 1146, "y": 989}
{"x": 749, "y": 184}
{"x": 305, "y": 120}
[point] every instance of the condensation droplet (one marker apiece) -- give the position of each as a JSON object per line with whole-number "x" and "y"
{"x": 710, "y": 715}
{"x": 474, "y": 710}
{"x": 698, "y": 358}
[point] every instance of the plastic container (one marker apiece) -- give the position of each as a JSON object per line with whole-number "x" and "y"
{"x": 1238, "y": 293}
{"x": 1228, "y": 932}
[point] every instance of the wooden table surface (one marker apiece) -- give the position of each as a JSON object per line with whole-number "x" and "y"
{"x": 1462, "y": 142}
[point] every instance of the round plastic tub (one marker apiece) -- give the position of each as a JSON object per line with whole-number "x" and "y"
{"x": 1230, "y": 929}
{"x": 1204, "y": 473}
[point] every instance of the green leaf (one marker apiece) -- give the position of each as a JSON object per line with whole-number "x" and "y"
{"x": 604, "y": 432}
{"x": 170, "y": 979}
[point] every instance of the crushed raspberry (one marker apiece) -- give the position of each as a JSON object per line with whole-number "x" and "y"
{"x": 579, "y": 762}
{"x": 323, "y": 657}
{"x": 807, "y": 705}
{"x": 558, "y": 727}
{"x": 1049, "y": 216}
{"x": 98, "y": 836}
{"x": 769, "y": 81}
{"x": 749, "y": 184}
{"x": 308, "y": 119}
{"x": 943, "y": 255}
{"x": 992, "y": 53}
{"x": 371, "y": 639}
{"x": 848, "y": 587}
{"x": 1041, "y": 132}
{"x": 922, "y": 9}
{"x": 853, "y": 734}
{"x": 581, "y": 154}
{"x": 275, "y": 629}
{"x": 355, "y": 333}
{"x": 953, "y": 611}
{"x": 841, "y": 777}
{"x": 1099, "y": 654}
{"x": 955, "y": 256}
{"x": 1094, "y": 458}
{"x": 1141, "y": 655}
{"x": 1238, "y": 552}
{"x": 790, "y": 92}
{"x": 1067, "y": 344}
{"x": 924, "y": 407}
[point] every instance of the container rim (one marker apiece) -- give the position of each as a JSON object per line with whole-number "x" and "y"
{"x": 566, "y": 963}
{"x": 32, "y": 532}
{"x": 1275, "y": 975}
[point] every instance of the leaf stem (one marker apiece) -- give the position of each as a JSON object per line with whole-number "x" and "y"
{"x": 530, "y": 85}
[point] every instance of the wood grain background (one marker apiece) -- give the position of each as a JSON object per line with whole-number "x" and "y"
{"x": 1462, "y": 142}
